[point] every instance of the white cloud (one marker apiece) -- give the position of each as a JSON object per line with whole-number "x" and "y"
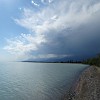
{"x": 20, "y": 8}
{"x": 55, "y": 17}
{"x": 34, "y": 3}
{"x": 46, "y": 1}
{"x": 50, "y": 1}
{"x": 24, "y": 44}
{"x": 49, "y": 19}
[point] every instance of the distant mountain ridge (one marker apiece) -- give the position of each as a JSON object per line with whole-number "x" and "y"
{"x": 64, "y": 59}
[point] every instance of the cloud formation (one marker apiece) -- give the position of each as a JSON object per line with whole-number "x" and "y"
{"x": 34, "y": 3}
{"x": 25, "y": 43}
{"x": 47, "y": 1}
{"x": 61, "y": 28}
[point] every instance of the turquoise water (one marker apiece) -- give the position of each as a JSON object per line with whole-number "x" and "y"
{"x": 36, "y": 81}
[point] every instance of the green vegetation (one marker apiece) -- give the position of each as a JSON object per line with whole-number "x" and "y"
{"x": 93, "y": 61}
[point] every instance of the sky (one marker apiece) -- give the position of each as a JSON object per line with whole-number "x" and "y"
{"x": 38, "y": 29}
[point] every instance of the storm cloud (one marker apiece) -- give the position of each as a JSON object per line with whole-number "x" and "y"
{"x": 60, "y": 29}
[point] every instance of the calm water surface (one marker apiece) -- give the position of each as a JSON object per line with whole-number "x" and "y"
{"x": 36, "y": 81}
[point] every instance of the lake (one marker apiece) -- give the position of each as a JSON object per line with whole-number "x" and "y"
{"x": 37, "y": 81}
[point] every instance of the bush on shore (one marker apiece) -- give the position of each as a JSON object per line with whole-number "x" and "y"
{"x": 93, "y": 61}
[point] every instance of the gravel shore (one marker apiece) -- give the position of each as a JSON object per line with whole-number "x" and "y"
{"x": 87, "y": 87}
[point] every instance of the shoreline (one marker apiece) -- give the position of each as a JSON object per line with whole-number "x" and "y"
{"x": 86, "y": 86}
